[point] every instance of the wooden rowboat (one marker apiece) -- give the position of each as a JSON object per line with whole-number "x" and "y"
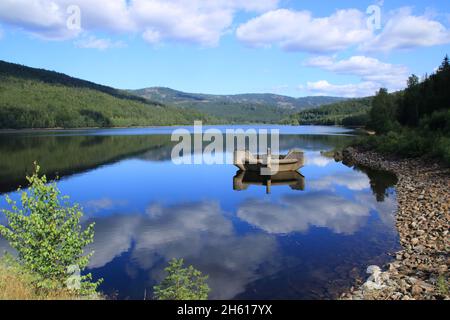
{"x": 272, "y": 164}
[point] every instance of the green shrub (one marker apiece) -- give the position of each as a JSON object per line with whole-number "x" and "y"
{"x": 182, "y": 283}
{"x": 48, "y": 237}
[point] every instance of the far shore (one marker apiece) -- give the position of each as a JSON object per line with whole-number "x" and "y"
{"x": 25, "y": 130}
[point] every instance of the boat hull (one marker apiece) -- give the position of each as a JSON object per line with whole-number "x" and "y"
{"x": 274, "y": 169}
{"x": 246, "y": 161}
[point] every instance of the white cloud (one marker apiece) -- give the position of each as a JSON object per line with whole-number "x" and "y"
{"x": 204, "y": 22}
{"x": 324, "y": 88}
{"x": 96, "y": 205}
{"x": 43, "y": 18}
{"x": 386, "y": 209}
{"x": 198, "y": 232}
{"x": 92, "y": 42}
{"x": 194, "y": 21}
{"x": 299, "y": 213}
{"x": 406, "y": 31}
{"x": 354, "y": 181}
{"x": 369, "y": 69}
{"x": 318, "y": 160}
{"x": 300, "y": 31}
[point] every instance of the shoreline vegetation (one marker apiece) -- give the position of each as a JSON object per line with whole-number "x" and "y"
{"x": 407, "y": 133}
{"x": 50, "y": 243}
{"x": 421, "y": 269}
{"x": 414, "y": 123}
{"x": 412, "y": 141}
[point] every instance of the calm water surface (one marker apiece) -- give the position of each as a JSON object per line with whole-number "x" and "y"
{"x": 308, "y": 239}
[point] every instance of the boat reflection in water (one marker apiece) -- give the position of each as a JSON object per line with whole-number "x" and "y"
{"x": 243, "y": 179}
{"x": 283, "y": 170}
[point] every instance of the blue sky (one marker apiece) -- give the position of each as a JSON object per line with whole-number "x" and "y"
{"x": 295, "y": 48}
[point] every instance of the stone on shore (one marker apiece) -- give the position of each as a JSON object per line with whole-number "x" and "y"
{"x": 421, "y": 269}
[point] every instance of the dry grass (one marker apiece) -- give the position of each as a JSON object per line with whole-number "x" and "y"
{"x": 16, "y": 284}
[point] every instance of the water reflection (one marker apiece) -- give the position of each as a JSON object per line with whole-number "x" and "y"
{"x": 303, "y": 240}
{"x": 243, "y": 179}
{"x": 299, "y": 213}
{"x": 198, "y": 232}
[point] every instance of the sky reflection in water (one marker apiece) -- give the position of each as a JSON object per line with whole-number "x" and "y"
{"x": 288, "y": 244}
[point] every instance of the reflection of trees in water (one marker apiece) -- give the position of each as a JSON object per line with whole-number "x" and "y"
{"x": 66, "y": 155}
{"x": 380, "y": 181}
{"x": 314, "y": 142}
{"x": 61, "y": 154}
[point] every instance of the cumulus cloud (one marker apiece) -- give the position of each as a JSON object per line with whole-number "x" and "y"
{"x": 325, "y": 88}
{"x": 405, "y": 31}
{"x": 299, "y": 213}
{"x": 194, "y": 21}
{"x": 368, "y": 69}
{"x": 198, "y": 232}
{"x": 95, "y": 205}
{"x": 113, "y": 236}
{"x": 355, "y": 181}
{"x": 317, "y": 160}
{"x": 93, "y": 42}
{"x": 300, "y": 31}
{"x": 386, "y": 209}
{"x": 43, "y": 18}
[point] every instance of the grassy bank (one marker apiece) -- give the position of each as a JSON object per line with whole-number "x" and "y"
{"x": 18, "y": 284}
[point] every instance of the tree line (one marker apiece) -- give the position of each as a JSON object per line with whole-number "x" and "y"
{"x": 353, "y": 112}
{"x": 33, "y": 98}
{"x": 416, "y": 121}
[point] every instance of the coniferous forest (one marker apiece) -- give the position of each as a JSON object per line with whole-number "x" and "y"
{"x": 416, "y": 121}
{"x": 35, "y": 98}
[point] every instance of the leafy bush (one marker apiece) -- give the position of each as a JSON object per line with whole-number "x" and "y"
{"x": 182, "y": 283}
{"x": 48, "y": 237}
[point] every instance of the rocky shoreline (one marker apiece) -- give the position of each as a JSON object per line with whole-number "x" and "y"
{"x": 421, "y": 269}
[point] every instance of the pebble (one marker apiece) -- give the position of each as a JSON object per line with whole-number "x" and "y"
{"x": 423, "y": 223}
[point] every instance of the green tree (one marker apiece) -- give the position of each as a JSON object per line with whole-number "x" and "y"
{"x": 182, "y": 283}
{"x": 382, "y": 112}
{"x": 445, "y": 66}
{"x": 409, "y": 106}
{"x": 48, "y": 237}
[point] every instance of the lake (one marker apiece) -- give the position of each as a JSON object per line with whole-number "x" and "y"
{"x": 309, "y": 238}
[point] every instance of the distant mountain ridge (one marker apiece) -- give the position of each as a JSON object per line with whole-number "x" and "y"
{"x": 167, "y": 95}
{"x": 38, "y": 98}
{"x": 238, "y": 108}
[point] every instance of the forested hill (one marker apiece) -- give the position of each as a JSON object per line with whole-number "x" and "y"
{"x": 353, "y": 112}
{"x": 167, "y": 95}
{"x": 240, "y": 108}
{"x": 52, "y": 77}
{"x": 36, "y": 98}
{"x": 416, "y": 121}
